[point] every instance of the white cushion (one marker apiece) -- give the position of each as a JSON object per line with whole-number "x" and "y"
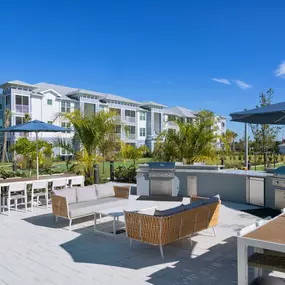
{"x": 105, "y": 190}
{"x": 86, "y": 193}
{"x": 68, "y": 193}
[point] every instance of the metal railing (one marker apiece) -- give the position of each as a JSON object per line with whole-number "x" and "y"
{"x": 22, "y": 108}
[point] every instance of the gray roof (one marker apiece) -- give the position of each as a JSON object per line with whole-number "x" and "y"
{"x": 151, "y": 103}
{"x": 112, "y": 97}
{"x": 62, "y": 90}
{"x": 180, "y": 112}
{"x": 17, "y": 82}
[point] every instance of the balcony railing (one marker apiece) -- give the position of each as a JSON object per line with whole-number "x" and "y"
{"x": 131, "y": 137}
{"x": 22, "y": 108}
{"x": 130, "y": 119}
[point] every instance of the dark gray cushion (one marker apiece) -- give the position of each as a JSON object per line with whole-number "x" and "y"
{"x": 86, "y": 193}
{"x": 170, "y": 211}
{"x": 193, "y": 205}
{"x": 68, "y": 193}
{"x": 89, "y": 207}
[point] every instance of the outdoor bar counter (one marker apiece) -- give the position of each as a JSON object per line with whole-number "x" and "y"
{"x": 254, "y": 187}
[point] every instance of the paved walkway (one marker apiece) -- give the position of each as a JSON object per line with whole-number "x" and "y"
{"x": 33, "y": 250}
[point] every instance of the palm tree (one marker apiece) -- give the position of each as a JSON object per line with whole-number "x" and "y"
{"x": 7, "y": 118}
{"x": 92, "y": 132}
{"x": 27, "y": 118}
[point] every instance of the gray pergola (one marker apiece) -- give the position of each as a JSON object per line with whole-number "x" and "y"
{"x": 272, "y": 115}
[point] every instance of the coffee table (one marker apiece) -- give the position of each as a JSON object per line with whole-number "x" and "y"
{"x": 116, "y": 210}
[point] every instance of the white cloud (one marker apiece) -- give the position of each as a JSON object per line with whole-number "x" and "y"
{"x": 280, "y": 71}
{"x": 222, "y": 80}
{"x": 242, "y": 84}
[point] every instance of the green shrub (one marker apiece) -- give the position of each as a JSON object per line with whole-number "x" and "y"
{"x": 126, "y": 174}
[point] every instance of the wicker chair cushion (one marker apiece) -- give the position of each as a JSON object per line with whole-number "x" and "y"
{"x": 86, "y": 193}
{"x": 89, "y": 207}
{"x": 170, "y": 211}
{"x": 193, "y": 205}
{"x": 214, "y": 199}
{"x": 68, "y": 193}
{"x": 105, "y": 190}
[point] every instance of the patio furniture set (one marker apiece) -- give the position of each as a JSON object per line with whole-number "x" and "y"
{"x": 266, "y": 237}
{"x": 153, "y": 222}
{"x": 29, "y": 190}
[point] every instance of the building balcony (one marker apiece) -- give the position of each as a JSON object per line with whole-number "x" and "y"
{"x": 130, "y": 119}
{"x": 22, "y": 108}
{"x": 131, "y": 137}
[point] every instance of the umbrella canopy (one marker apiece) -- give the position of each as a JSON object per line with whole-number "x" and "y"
{"x": 273, "y": 114}
{"x": 36, "y": 127}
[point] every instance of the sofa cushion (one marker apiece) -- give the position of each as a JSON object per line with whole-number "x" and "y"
{"x": 89, "y": 207}
{"x": 193, "y": 205}
{"x": 68, "y": 193}
{"x": 86, "y": 193}
{"x": 214, "y": 199}
{"x": 105, "y": 190}
{"x": 170, "y": 211}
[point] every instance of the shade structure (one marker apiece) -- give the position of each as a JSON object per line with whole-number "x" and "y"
{"x": 35, "y": 127}
{"x": 273, "y": 115}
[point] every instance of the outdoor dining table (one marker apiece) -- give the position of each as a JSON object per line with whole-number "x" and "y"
{"x": 270, "y": 236}
{"x": 29, "y": 180}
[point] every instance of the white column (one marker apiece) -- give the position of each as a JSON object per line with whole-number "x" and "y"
{"x": 242, "y": 262}
{"x": 245, "y": 145}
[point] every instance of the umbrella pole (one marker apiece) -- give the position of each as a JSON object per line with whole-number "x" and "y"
{"x": 246, "y": 145}
{"x": 37, "y": 155}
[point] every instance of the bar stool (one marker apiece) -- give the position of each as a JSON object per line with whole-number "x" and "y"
{"x": 77, "y": 181}
{"x": 16, "y": 191}
{"x": 39, "y": 189}
{"x": 59, "y": 184}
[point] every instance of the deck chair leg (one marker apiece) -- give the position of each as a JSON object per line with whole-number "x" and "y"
{"x": 8, "y": 206}
{"x": 190, "y": 239}
{"x": 38, "y": 201}
{"x": 100, "y": 215}
{"x": 214, "y": 230}
{"x": 55, "y": 219}
{"x": 47, "y": 200}
{"x": 131, "y": 242}
{"x": 16, "y": 204}
{"x": 70, "y": 223}
{"x": 161, "y": 251}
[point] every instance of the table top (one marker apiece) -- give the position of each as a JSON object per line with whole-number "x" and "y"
{"x": 273, "y": 231}
{"x": 31, "y": 179}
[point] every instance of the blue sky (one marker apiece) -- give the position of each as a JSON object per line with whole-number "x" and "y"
{"x": 159, "y": 50}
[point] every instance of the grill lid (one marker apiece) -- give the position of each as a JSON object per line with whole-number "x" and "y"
{"x": 161, "y": 165}
{"x": 280, "y": 171}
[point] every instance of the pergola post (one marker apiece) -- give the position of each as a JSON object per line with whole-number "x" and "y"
{"x": 246, "y": 145}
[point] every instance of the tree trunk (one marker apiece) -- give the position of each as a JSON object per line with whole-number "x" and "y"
{"x": 4, "y": 147}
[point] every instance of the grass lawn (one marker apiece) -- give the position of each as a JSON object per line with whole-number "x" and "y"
{"x": 60, "y": 166}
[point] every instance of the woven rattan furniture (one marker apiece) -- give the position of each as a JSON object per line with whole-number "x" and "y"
{"x": 163, "y": 230}
{"x": 77, "y": 202}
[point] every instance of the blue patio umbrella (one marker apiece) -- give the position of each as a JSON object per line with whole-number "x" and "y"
{"x": 35, "y": 127}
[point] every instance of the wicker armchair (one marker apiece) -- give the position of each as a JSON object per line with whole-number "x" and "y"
{"x": 160, "y": 231}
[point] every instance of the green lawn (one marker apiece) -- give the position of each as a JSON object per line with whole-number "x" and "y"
{"x": 61, "y": 166}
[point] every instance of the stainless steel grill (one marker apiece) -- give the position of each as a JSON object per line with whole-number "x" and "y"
{"x": 279, "y": 182}
{"x": 161, "y": 175}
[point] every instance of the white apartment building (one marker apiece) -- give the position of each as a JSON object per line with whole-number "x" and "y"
{"x": 44, "y": 102}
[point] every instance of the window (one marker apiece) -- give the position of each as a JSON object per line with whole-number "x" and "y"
{"x": 19, "y": 120}
{"x": 89, "y": 109}
{"x": 142, "y": 132}
{"x": 65, "y": 107}
{"x": 49, "y": 101}
{"x": 66, "y": 125}
{"x": 1, "y": 104}
{"x": 132, "y": 130}
{"x": 223, "y": 124}
{"x": 129, "y": 113}
{"x": 118, "y": 129}
{"x": 8, "y": 100}
{"x": 49, "y": 122}
{"x": 142, "y": 116}
{"x": 22, "y": 104}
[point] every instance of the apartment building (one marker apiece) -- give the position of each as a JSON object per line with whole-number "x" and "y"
{"x": 44, "y": 101}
